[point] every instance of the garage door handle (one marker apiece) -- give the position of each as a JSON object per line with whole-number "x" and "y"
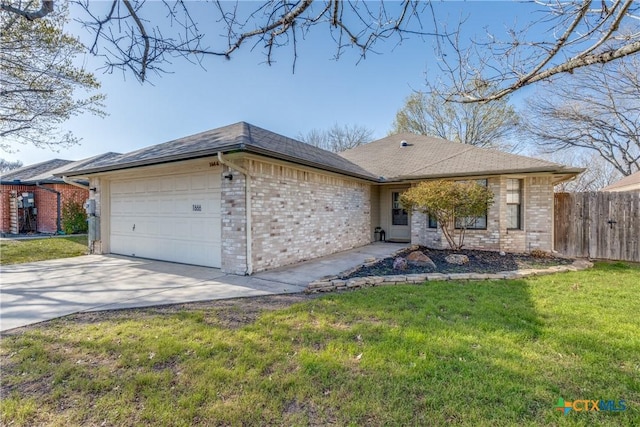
{"x": 134, "y": 227}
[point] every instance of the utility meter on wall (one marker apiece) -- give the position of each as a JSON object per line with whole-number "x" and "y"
{"x": 90, "y": 207}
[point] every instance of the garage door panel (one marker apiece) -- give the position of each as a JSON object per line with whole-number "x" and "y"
{"x": 167, "y": 226}
{"x": 199, "y": 182}
{"x": 214, "y": 206}
{"x": 166, "y": 184}
{"x": 119, "y": 188}
{"x": 153, "y": 186}
{"x": 180, "y": 228}
{"x": 181, "y": 183}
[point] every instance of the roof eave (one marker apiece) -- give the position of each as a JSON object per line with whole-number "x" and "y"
{"x": 151, "y": 162}
{"x": 33, "y": 182}
{"x": 20, "y": 182}
{"x": 569, "y": 172}
{"x": 212, "y": 152}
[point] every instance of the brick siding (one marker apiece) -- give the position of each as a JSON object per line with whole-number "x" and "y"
{"x": 537, "y": 221}
{"x": 233, "y": 218}
{"x": 45, "y": 202}
{"x": 300, "y": 214}
{"x": 5, "y": 212}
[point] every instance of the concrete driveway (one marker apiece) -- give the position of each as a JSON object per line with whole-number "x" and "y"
{"x": 34, "y": 292}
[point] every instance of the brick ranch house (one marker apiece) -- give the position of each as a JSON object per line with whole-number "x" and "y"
{"x": 245, "y": 199}
{"x": 50, "y": 193}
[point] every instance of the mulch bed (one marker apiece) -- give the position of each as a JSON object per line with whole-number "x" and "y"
{"x": 479, "y": 262}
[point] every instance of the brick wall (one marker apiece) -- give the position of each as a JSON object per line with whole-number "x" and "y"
{"x": 45, "y": 201}
{"x": 538, "y": 217}
{"x": 5, "y": 212}
{"x": 537, "y": 221}
{"x": 299, "y": 214}
{"x": 233, "y": 216}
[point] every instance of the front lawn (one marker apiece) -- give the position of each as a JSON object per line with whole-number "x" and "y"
{"x": 476, "y": 353}
{"x": 31, "y": 250}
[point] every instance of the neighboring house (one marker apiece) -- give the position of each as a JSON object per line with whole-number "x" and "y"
{"x": 246, "y": 199}
{"x": 42, "y": 212}
{"x": 628, "y": 183}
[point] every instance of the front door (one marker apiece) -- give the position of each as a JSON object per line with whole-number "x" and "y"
{"x": 399, "y": 229}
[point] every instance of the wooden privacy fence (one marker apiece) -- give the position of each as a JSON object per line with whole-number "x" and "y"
{"x": 598, "y": 225}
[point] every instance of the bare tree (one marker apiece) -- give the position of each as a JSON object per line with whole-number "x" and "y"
{"x": 570, "y": 35}
{"x": 598, "y": 172}
{"x": 8, "y": 165}
{"x": 40, "y": 87}
{"x": 598, "y": 110}
{"x": 483, "y": 125}
{"x": 145, "y": 37}
{"x": 338, "y": 137}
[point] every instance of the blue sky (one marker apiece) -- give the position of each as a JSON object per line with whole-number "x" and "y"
{"x": 320, "y": 93}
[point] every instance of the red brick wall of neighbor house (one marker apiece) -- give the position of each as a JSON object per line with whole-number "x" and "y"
{"x": 47, "y": 204}
{"x": 5, "y": 191}
{"x": 45, "y": 201}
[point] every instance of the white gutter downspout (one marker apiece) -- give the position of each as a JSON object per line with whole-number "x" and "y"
{"x": 248, "y": 207}
{"x": 77, "y": 184}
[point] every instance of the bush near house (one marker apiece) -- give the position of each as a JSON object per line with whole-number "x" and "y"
{"x": 74, "y": 218}
{"x": 454, "y": 204}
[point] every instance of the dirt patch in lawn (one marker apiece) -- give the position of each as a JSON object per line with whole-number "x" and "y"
{"x": 228, "y": 313}
{"x": 479, "y": 262}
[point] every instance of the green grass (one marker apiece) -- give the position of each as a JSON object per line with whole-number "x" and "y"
{"x": 21, "y": 251}
{"x": 476, "y": 354}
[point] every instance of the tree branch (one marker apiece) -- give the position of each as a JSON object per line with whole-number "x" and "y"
{"x": 45, "y": 9}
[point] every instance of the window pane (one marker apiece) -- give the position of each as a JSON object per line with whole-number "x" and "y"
{"x": 399, "y": 216}
{"x": 473, "y": 223}
{"x": 514, "y": 203}
{"x": 513, "y": 184}
{"x": 480, "y": 222}
{"x": 513, "y": 216}
{"x": 432, "y": 222}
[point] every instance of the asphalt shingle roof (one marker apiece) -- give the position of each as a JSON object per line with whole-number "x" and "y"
{"x": 382, "y": 160}
{"x": 51, "y": 170}
{"x": 429, "y": 157}
{"x": 27, "y": 173}
{"x": 236, "y": 137}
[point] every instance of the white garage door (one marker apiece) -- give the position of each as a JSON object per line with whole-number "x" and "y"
{"x": 170, "y": 218}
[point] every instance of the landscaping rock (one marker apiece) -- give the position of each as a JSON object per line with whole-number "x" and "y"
{"x": 394, "y": 279}
{"x": 486, "y": 262}
{"x": 399, "y": 264}
{"x": 419, "y": 259}
{"x": 457, "y": 259}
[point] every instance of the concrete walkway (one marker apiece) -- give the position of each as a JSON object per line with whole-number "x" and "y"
{"x": 35, "y": 292}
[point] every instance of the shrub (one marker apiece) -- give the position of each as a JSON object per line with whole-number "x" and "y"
{"x": 452, "y": 203}
{"x": 540, "y": 254}
{"x": 74, "y": 218}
